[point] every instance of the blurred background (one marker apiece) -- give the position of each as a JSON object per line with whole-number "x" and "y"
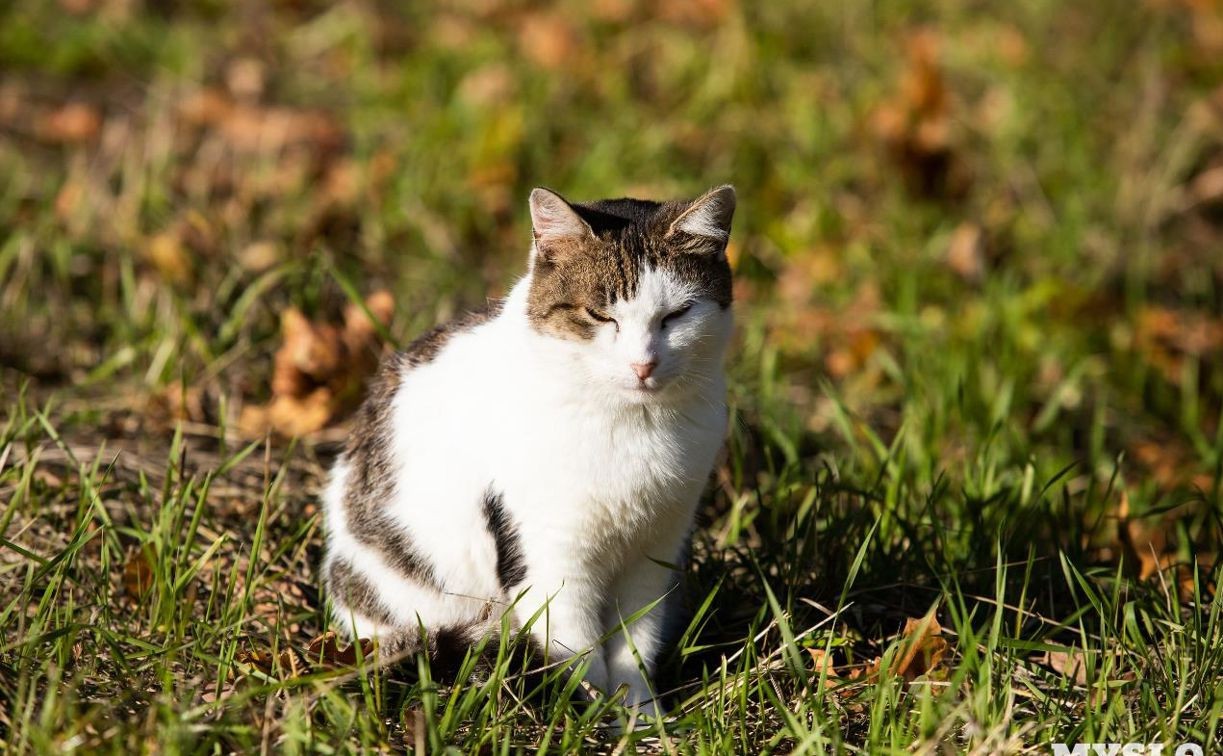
{"x": 978, "y": 250}
{"x": 1021, "y": 202}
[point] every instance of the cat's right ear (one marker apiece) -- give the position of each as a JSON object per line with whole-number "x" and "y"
{"x": 555, "y": 224}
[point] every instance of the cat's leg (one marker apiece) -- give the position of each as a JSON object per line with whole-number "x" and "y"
{"x": 632, "y": 649}
{"x": 566, "y": 622}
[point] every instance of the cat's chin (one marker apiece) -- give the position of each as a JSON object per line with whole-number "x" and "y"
{"x": 644, "y": 393}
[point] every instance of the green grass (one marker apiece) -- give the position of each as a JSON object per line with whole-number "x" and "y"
{"x": 1022, "y": 434}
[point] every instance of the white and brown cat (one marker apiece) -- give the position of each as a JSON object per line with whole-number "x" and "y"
{"x": 549, "y": 451}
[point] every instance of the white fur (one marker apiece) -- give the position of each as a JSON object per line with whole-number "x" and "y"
{"x": 600, "y": 475}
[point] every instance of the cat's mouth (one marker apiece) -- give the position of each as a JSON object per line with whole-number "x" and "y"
{"x": 647, "y": 388}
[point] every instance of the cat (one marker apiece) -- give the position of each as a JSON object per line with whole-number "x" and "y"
{"x": 546, "y": 454}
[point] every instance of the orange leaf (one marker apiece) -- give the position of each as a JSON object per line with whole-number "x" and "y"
{"x": 922, "y": 650}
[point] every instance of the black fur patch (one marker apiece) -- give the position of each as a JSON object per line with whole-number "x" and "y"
{"x": 511, "y": 568}
{"x": 394, "y": 545}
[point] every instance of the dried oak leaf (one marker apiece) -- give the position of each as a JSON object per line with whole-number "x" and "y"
{"x": 326, "y": 652}
{"x": 1152, "y": 542}
{"x": 165, "y": 252}
{"x": 1071, "y": 663}
{"x": 319, "y": 369}
{"x": 823, "y": 666}
{"x": 923, "y": 649}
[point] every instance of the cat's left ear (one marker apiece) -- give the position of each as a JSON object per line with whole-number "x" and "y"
{"x": 708, "y": 218}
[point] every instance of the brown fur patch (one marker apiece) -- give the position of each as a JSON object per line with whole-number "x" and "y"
{"x": 572, "y": 276}
{"x": 352, "y": 591}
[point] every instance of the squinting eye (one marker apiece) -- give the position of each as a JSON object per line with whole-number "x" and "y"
{"x": 598, "y": 316}
{"x": 678, "y": 313}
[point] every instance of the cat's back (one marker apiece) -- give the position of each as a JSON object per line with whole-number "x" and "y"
{"x": 416, "y": 392}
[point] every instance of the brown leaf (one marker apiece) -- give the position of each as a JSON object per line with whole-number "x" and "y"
{"x": 922, "y": 650}
{"x": 966, "y": 251}
{"x": 548, "y": 39}
{"x": 823, "y": 666}
{"x": 245, "y": 78}
{"x": 917, "y": 127}
{"x": 1207, "y": 186}
{"x": 286, "y": 662}
{"x": 700, "y": 14}
{"x": 319, "y": 369}
{"x": 77, "y": 7}
{"x": 301, "y": 416}
{"x": 486, "y": 87}
{"x": 326, "y": 652}
{"x": 207, "y": 107}
{"x": 137, "y": 574}
{"x": 322, "y": 653}
{"x": 71, "y": 123}
{"x": 259, "y": 256}
{"x": 806, "y": 272}
{"x": 360, "y": 333}
{"x": 310, "y": 353}
{"x": 1165, "y": 337}
{"x": 1071, "y": 663}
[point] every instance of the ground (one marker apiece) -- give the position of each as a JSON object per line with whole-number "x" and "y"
{"x": 971, "y": 498}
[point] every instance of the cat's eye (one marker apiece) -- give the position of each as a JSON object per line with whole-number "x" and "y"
{"x": 672, "y": 316}
{"x": 598, "y": 316}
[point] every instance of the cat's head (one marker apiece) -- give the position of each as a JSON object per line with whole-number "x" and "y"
{"x": 636, "y": 294}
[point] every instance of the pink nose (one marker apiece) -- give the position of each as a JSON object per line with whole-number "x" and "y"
{"x": 644, "y": 369}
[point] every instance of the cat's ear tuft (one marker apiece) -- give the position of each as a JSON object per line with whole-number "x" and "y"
{"x": 553, "y": 219}
{"x": 708, "y": 217}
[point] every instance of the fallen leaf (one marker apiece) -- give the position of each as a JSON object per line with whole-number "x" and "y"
{"x": 823, "y": 666}
{"x": 1071, "y": 663}
{"x": 322, "y": 653}
{"x": 922, "y": 649}
{"x": 71, "y": 123}
{"x": 137, "y": 574}
{"x": 245, "y": 77}
{"x": 1165, "y": 337}
{"x": 965, "y": 251}
{"x": 319, "y": 369}
{"x": 327, "y": 652}
{"x": 699, "y": 14}
{"x": 259, "y": 256}
{"x": 548, "y": 39}
{"x": 287, "y": 662}
{"x": 489, "y": 86}
{"x": 1207, "y": 186}
{"x": 917, "y": 127}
